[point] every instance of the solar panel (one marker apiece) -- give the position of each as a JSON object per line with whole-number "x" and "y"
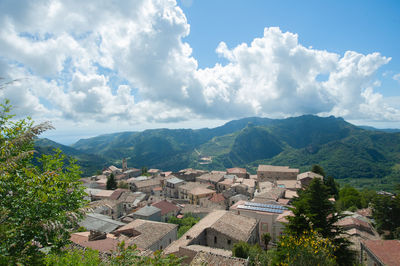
{"x": 261, "y": 205}
{"x": 262, "y": 209}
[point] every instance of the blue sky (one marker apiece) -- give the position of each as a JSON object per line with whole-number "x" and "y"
{"x": 98, "y": 67}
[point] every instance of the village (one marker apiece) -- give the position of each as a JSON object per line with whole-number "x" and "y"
{"x": 231, "y": 206}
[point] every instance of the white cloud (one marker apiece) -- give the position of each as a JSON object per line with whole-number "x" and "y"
{"x": 72, "y": 53}
{"x": 397, "y": 77}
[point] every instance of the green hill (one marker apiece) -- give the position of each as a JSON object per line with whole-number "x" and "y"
{"x": 345, "y": 151}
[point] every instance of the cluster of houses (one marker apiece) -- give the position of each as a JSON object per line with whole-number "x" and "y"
{"x": 233, "y": 206}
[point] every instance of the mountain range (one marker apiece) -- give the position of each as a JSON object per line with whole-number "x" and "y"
{"x": 345, "y": 151}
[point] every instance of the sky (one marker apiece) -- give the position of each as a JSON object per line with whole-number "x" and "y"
{"x": 96, "y": 67}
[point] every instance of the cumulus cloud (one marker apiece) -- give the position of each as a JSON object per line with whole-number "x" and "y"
{"x": 126, "y": 60}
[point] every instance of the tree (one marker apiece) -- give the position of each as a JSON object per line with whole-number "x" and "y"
{"x": 254, "y": 253}
{"x": 111, "y": 183}
{"x": 349, "y": 197}
{"x": 314, "y": 212}
{"x": 333, "y": 186}
{"x": 386, "y": 213}
{"x": 266, "y": 237}
{"x": 318, "y": 170}
{"x": 39, "y": 204}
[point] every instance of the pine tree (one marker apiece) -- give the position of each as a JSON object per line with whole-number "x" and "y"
{"x": 111, "y": 183}
{"x": 314, "y": 212}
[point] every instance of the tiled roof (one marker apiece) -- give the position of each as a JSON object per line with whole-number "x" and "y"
{"x": 236, "y": 170}
{"x": 99, "y": 222}
{"x": 206, "y": 258}
{"x": 387, "y": 251}
{"x": 175, "y": 180}
{"x": 147, "y": 211}
{"x": 165, "y": 207}
{"x": 117, "y": 193}
{"x": 150, "y": 232}
{"x": 309, "y": 175}
{"x": 272, "y": 168}
{"x": 211, "y": 177}
{"x": 217, "y": 197}
{"x": 235, "y": 226}
{"x": 103, "y": 245}
{"x": 201, "y": 191}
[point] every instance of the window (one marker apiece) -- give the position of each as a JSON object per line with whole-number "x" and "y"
{"x": 229, "y": 242}
{"x": 215, "y": 240}
{"x": 170, "y": 240}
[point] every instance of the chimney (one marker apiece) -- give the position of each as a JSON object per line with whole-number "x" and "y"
{"x": 96, "y": 235}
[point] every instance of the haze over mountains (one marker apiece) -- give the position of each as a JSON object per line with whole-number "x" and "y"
{"x": 342, "y": 149}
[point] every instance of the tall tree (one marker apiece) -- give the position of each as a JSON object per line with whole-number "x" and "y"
{"x": 318, "y": 170}
{"x": 39, "y": 204}
{"x": 313, "y": 211}
{"x": 111, "y": 183}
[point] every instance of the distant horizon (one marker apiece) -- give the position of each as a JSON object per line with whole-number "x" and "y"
{"x": 76, "y": 138}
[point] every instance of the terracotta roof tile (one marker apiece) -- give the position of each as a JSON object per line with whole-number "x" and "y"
{"x": 165, "y": 206}
{"x": 387, "y": 251}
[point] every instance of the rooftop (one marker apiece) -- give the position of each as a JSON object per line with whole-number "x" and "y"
{"x": 100, "y": 222}
{"x": 103, "y": 245}
{"x": 309, "y": 174}
{"x": 217, "y": 197}
{"x": 235, "y": 226}
{"x": 165, "y": 207}
{"x": 272, "y": 168}
{"x": 175, "y": 180}
{"x": 149, "y": 232}
{"x": 212, "y": 177}
{"x": 387, "y": 251}
{"x": 147, "y": 211}
{"x": 207, "y": 258}
{"x": 200, "y": 191}
{"x": 236, "y": 170}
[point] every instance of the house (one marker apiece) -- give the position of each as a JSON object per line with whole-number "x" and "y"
{"x": 150, "y": 213}
{"x": 239, "y": 197}
{"x": 239, "y": 172}
{"x": 220, "y": 230}
{"x": 196, "y": 210}
{"x": 147, "y": 234}
{"x": 100, "y": 222}
{"x": 98, "y": 194}
{"x": 110, "y": 207}
{"x": 265, "y": 213}
{"x": 146, "y": 186}
{"x": 226, "y": 183}
{"x": 293, "y": 185}
{"x": 115, "y": 170}
{"x": 131, "y": 200}
{"x": 132, "y": 172}
{"x": 216, "y": 201}
{"x": 154, "y": 172}
{"x": 272, "y": 173}
{"x": 167, "y": 208}
{"x": 267, "y": 191}
{"x": 210, "y": 178}
{"x": 171, "y": 186}
{"x": 380, "y": 252}
{"x": 189, "y": 175}
{"x": 198, "y": 193}
{"x": 306, "y": 177}
{"x": 183, "y": 190}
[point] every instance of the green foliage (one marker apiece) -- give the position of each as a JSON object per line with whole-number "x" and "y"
{"x": 38, "y": 204}
{"x": 349, "y": 197}
{"x": 131, "y": 256}
{"x": 123, "y": 184}
{"x": 333, "y": 186}
{"x": 111, "y": 183}
{"x": 266, "y": 237}
{"x": 386, "y": 213}
{"x": 124, "y": 256}
{"x": 184, "y": 224}
{"x": 308, "y": 248}
{"x": 314, "y": 212}
{"x": 253, "y": 253}
{"x": 318, "y": 170}
{"x": 76, "y": 257}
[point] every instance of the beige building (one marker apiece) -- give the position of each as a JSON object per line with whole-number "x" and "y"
{"x": 272, "y": 173}
{"x": 266, "y": 214}
{"x": 305, "y": 178}
{"x": 183, "y": 190}
{"x": 239, "y": 172}
{"x": 218, "y": 230}
{"x": 199, "y": 193}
